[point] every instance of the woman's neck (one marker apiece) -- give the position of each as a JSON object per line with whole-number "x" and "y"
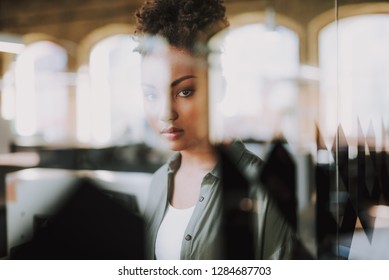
{"x": 204, "y": 159}
{"x": 187, "y": 181}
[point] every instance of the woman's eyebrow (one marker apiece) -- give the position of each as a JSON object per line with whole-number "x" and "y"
{"x": 179, "y": 80}
{"x": 148, "y": 86}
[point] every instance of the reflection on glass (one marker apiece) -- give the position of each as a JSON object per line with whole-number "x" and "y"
{"x": 363, "y": 67}
{"x": 263, "y": 87}
{"x": 354, "y": 79}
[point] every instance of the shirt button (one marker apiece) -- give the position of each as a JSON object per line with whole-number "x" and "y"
{"x": 201, "y": 199}
{"x": 188, "y": 237}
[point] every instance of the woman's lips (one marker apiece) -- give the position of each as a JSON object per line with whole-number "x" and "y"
{"x": 172, "y": 133}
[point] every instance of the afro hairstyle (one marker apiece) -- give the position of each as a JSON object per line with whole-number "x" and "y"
{"x": 183, "y": 23}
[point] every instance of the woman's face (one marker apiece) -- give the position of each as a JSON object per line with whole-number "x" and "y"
{"x": 175, "y": 98}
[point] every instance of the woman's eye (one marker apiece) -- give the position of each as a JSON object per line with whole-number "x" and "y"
{"x": 150, "y": 96}
{"x": 185, "y": 92}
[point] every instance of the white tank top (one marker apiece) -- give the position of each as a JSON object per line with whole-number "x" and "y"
{"x": 171, "y": 233}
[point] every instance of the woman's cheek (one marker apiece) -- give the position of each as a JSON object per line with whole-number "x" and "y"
{"x": 152, "y": 116}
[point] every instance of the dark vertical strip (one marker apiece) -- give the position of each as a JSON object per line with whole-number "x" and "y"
{"x": 238, "y": 223}
{"x": 326, "y": 227}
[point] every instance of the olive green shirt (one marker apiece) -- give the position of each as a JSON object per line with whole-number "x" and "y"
{"x": 202, "y": 237}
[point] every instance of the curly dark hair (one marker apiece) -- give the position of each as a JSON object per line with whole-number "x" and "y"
{"x": 181, "y": 22}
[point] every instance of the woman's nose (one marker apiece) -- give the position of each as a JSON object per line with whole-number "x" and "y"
{"x": 167, "y": 111}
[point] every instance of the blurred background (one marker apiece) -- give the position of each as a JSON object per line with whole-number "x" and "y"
{"x": 310, "y": 75}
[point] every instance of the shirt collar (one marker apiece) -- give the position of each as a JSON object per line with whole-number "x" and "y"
{"x": 234, "y": 151}
{"x": 174, "y": 162}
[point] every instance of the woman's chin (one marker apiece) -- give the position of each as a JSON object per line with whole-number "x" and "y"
{"x": 175, "y": 146}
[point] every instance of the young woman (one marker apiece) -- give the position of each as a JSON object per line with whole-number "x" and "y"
{"x": 184, "y": 212}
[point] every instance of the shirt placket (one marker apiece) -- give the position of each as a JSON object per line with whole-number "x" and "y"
{"x": 198, "y": 212}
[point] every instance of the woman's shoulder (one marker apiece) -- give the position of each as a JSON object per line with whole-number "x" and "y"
{"x": 159, "y": 178}
{"x": 161, "y": 171}
{"x": 242, "y": 157}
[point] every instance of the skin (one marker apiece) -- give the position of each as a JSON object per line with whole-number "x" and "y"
{"x": 175, "y": 101}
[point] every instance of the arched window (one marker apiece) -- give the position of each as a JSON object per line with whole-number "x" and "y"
{"x": 354, "y": 62}
{"x": 41, "y": 93}
{"x": 109, "y": 96}
{"x": 261, "y": 66}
